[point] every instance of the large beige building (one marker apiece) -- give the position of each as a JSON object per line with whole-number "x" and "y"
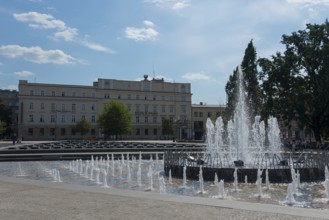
{"x": 49, "y": 111}
{"x": 200, "y": 113}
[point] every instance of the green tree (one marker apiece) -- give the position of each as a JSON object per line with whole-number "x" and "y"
{"x": 251, "y": 84}
{"x": 3, "y": 127}
{"x": 83, "y": 127}
{"x": 167, "y": 127}
{"x": 297, "y": 80}
{"x": 5, "y": 117}
{"x": 115, "y": 119}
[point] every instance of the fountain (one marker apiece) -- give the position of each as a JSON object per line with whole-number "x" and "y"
{"x": 246, "y": 144}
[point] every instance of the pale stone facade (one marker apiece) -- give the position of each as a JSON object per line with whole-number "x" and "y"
{"x": 48, "y": 111}
{"x": 200, "y": 113}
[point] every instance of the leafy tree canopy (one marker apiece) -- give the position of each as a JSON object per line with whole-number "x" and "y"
{"x": 115, "y": 119}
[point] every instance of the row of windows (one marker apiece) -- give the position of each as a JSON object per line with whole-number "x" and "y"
{"x": 200, "y": 114}
{"x": 52, "y": 132}
{"x": 62, "y": 118}
{"x": 146, "y": 97}
{"x": 62, "y": 94}
{"x": 64, "y": 107}
{"x": 146, "y": 131}
{"x": 107, "y": 96}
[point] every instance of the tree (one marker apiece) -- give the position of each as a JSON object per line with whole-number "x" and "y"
{"x": 83, "y": 127}
{"x": 3, "y": 126}
{"x": 5, "y": 117}
{"x": 115, "y": 119}
{"x": 167, "y": 127}
{"x": 251, "y": 84}
{"x": 297, "y": 81}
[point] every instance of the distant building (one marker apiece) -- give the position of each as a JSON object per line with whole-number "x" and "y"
{"x": 9, "y": 98}
{"x": 48, "y": 111}
{"x": 200, "y": 113}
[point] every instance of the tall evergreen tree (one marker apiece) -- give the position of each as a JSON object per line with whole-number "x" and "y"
{"x": 251, "y": 84}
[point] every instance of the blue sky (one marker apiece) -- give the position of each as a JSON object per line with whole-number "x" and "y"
{"x": 195, "y": 41}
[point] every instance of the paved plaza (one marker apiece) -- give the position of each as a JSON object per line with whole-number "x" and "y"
{"x": 28, "y": 199}
{"x": 31, "y": 199}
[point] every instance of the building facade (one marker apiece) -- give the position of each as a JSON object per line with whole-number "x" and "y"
{"x": 200, "y": 113}
{"x": 49, "y": 111}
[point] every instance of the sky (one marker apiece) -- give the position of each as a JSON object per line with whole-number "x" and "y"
{"x": 187, "y": 41}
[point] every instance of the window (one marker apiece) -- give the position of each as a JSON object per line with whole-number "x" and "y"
{"x": 53, "y": 93}
{"x": 31, "y": 118}
{"x": 154, "y": 98}
{"x": 128, "y": 96}
{"x": 63, "y": 107}
{"x": 42, "y": 118}
{"x": 73, "y": 118}
{"x": 52, "y": 118}
{"x": 171, "y": 109}
{"x": 83, "y": 107}
{"x": 93, "y": 95}
{"x": 53, "y": 107}
{"x": 93, "y": 118}
{"x": 30, "y": 132}
{"x": 74, "y": 94}
{"x": 63, "y": 131}
{"x": 209, "y": 114}
{"x": 154, "y": 120}
{"x": 183, "y": 98}
{"x": 119, "y": 96}
{"x": 155, "y": 131}
{"x": 171, "y": 98}
{"x": 42, "y": 106}
{"x": 200, "y": 114}
{"x": 83, "y": 94}
{"x": 106, "y": 96}
{"x": 145, "y": 97}
{"x": 41, "y": 131}
{"x": 93, "y": 107}
{"x": 42, "y": 93}
{"x": 63, "y": 94}
{"x": 83, "y": 117}
{"x": 146, "y": 120}
{"x": 52, "y": 131}
{"x": 146, "y": 131}
{"x": 163, "y": 98}
{"x": 31, "y": 92}
{"x": 137, "y": 97}
{"x": 73, "y": 107}
{"x": 137, "y": 108}
{"x": 129, "y": 107}
{"x": 155, "y": 108}
{"x": 63, "y": 118}
{"x": 195, "y": 114}
{"x": 137, "y": 119}
{"x": 31, "y": 106}
{"x": 146, "y": 108}
{"x": 163, "y": 108}
{"x": 183, "y": 109}
{"x": 138, "y": 131}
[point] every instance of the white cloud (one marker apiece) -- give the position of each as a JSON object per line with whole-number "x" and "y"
{"x": 24, "y": 73}
{"x": 142, "y": 34}
{"x": 36, "y": 54}
{"x": 196, "y": 76}
{"x": 180, "y": 5}
{"x": 62, "y": 31}
{"x": 67, "y": 34}
{"x": 148, "y": 23}
{"x": 96, "y": 47}
{"x": 42, "y": 21}
{"x": 172, "y": 4}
